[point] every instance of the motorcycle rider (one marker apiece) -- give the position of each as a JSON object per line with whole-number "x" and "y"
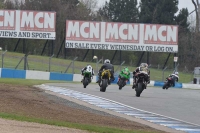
{"x": 126, "y": 72}
{"x": 87, "y": 68}
{"x": 174, "y": 77}
{"x": 144, "y": 69}
{"x": 107, "y": 65}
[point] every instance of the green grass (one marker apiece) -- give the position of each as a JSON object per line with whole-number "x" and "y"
{"x": 91, "y": 128}
{"x": 27, "y": 82}
{"x": 41, "y": 63}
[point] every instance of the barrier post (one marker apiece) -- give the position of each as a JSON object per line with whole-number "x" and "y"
{"x": 163, "y": 73}
{"x": 71, "y": 63}
{"x": 3, "y": 58}
{"x": 25, "y": 61}
{"x": 50, "y": 62}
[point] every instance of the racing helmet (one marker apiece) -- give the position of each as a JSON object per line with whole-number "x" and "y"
{"x": 89, "y": 66}
{"x": 107, "y": 61}
{"x": 126, "y": 68}
{"x": 176, "y": 73}
{"x": 143, "y": 65}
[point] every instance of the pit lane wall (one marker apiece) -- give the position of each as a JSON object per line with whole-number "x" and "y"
{"x": 40, "y": 75}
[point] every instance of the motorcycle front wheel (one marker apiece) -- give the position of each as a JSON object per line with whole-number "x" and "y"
{"x": 165, "y": 86}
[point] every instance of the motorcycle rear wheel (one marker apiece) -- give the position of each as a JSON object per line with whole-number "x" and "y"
{"x": 139, "y": 88}
{"x": 103, "y": 85}
{"x": 165, "y": 86}
{"x": 120, "y": 84}
{"x": 85, "y": 82}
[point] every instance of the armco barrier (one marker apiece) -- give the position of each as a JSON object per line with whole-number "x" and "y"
{"x": 78, "y": 78}
{"x": 160, "y": 83}
{"x": 61, "y": 76}
{"x": 12, "y": 73}
{"x": 29, "y": 74}
{"x": 37, "y": 75}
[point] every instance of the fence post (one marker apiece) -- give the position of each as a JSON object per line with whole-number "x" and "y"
{"x": 25, "y": 60}
{"x": 50, "y": 62}
{"x": 3, "y": 58}
{"x": 72, "y": 62}
{"x": 163, "y": 73}
{"x": 120, "y": 66}
{"x": 98, "y": 61}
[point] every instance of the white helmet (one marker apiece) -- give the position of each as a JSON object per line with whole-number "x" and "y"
{"x": 143, "y": 65}
{"x": 107, "y": 61}
{"x": 176, "y": 73}
{"x": 89, "y": 66}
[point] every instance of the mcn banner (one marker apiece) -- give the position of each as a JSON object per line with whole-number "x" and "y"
{"x": 121, "y": 36}
{"x": 27, "y": 24}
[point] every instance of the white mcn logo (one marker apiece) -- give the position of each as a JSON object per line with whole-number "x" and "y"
{"x": 37, "y": 20}
{"x": 123, "y": 31}
{"x": 7, "y": 18}
{"x": 84, "y": 30}
{"x": 158, "y": 33}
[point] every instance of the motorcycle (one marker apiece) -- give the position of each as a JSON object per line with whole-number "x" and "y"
{"x": 87, "y": 78}
{"x": 168, "y": 83}
{"x": 141, "y": 83}
{"x": 123, "y": 79}
{"x": 105, "y": 79}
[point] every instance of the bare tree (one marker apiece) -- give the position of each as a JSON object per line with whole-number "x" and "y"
{"x": 90, "y": 4}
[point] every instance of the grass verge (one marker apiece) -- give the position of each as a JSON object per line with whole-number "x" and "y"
{"x": 28, "y": 82}
{"x": 90, "y": 128}
{"x": 35, "y": 62}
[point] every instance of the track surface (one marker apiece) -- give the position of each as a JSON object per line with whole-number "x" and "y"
{"x": 178, "y": 104}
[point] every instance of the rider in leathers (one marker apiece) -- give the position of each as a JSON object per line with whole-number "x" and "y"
{"x": 89, "y": 69}
{"x": 174, "y": 77}
{"x": 142, "y": 68}
{"x": 106, "y": 66}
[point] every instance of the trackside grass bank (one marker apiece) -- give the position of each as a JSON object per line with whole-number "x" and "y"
{"x": 87, "y": 127}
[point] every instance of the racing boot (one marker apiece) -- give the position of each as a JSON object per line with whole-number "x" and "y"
{"x": 118, "y": 81}
{"x": 109, "y": 82}
{"x": 98, "y": 81}
{"x": 134, "y": 85}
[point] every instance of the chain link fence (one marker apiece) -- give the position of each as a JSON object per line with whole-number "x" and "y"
{"x": 72, "y": 65}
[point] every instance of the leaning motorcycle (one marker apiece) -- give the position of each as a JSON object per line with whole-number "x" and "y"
{"x": 105, "y": 79}
{"x": 141, "y": 83}
{"x": 123, "y": 79}
{"x": 87, "y": 78}
{"x": 168, "y": 83}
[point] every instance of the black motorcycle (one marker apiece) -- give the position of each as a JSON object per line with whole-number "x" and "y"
{"x": 168, "y": 83}
{"x": 122, "y": 82}
{"x": 141, "y": 83}
{"x": 86, "y": 79}
{"x": 105, "y": 79}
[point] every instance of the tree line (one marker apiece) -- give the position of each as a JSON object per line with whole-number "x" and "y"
{"x": 127, "y": 11}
